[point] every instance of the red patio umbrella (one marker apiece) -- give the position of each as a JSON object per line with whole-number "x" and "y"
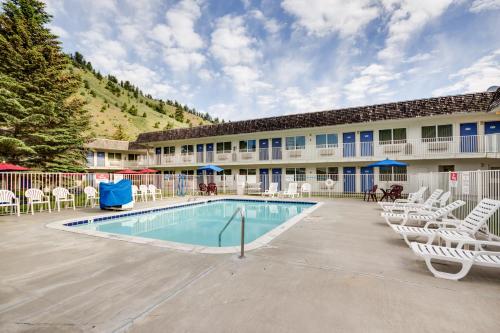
{"x": 127, "y": 172}
{"x": 148, "y": 171}
{"x": 11, "y": 167}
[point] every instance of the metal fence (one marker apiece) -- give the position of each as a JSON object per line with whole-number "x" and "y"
{"x": 469, "y": 186}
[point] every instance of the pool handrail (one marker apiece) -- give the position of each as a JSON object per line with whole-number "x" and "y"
{"x": 241, "y": 210}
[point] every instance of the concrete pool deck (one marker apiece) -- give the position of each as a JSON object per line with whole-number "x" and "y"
{"x": 340, "y": 269}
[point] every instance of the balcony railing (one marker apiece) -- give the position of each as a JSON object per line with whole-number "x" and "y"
{"x": 449, "y": 147}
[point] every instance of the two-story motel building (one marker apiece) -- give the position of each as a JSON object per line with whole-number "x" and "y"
{"x": 453, "y": 133}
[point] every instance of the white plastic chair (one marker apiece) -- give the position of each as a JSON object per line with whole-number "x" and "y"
{"x": 154, "y": 192}
{"x": 143, "y": 192}
{"x": 62, "y": 195}
{"x": 291, "y": 191}
{"x": 431, "y": 201}
{"x": 272, "y": 191}
{"x": 9, "y": 199}
{"x": 37, "y": 197}
{"x": 135, "y": 192}
{"x": 91, "y": 196}
{"x": 413, "y": 198}
{"x": 306, "y": 188}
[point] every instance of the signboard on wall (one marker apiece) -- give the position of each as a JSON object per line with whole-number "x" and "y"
{"x": 465, "y": 182}
{"x": 101, "y": 177}
{"x": 453, "y": 179}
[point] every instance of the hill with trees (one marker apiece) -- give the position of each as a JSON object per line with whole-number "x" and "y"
{"x": 120, "y": 110}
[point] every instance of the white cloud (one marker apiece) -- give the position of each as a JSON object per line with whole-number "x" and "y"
{"x": 419, "y": 57}
{"x": 223, "y": 111}
{"x": 408, "y": 17}
{"x": 372, "y": 81}
{"x": 477, "y": 77}
{"x": 318, "y": 98}
{"x": 322, "y": 17}
{"x": 231, "y": 44}
{"x": 270, "y": 24}
{"x": 180, "y": 40}
{"x": 484, "y": 5}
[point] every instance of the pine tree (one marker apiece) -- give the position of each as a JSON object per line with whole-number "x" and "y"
{"x": 120, "y": 133}
{"x": 38, "y": 116}
{"x": 179, "y": 114}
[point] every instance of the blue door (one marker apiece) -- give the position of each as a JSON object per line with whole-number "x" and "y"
{"x": 366, "y": 179}
{"x": 158, "y": 151}
{"x": 264, "y": 179}
{"x": 366, "y": 138}
{"x": 210, "y": 152}
{"x": 276, "y": 177}
{"x": 199, "y": 176}
{"x": 90, "y": 158}
{"x": 263, "y": 149}
{"x": 492, "y": 127}
{"x": 349, "y": 179}
{"x": 101, "y": 156}
{"x": 468, "y": 138}
{"x": 276, "y": 142}
{"x": 349, "y": 141}
{"x": 199, "y": 153}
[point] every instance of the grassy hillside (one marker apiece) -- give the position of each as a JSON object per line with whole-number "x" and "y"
{"x": 111, "y": 119}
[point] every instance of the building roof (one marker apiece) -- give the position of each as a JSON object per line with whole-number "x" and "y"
{"x": 468, "y": 103}
{"x": 495, "y": 104}
{"x": 116, "y": 145}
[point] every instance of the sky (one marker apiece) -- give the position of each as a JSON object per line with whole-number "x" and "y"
{"x": 257, "y": 58}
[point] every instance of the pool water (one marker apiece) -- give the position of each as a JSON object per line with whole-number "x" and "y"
{"x": 200, "y": 224}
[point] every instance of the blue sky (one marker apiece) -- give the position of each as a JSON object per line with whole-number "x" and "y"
{"x": 257, "y": 58}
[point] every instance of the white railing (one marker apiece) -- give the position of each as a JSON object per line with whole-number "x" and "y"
{"x": 450, "y": 147}
{"x": 470, "y": 186}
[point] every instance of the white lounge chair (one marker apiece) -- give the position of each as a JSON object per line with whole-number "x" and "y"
{"x": 272, "y": 191}
{"x": 421, "y": 215}
{"x": 415, "y": 197}
{"x": 37, "y": 197}
{"x": 91, "y": 196}
{"x": 432, "y": 200}
{"x": 9, "y": 199}
{"x": 291, "y": 191}
{"x": 154, "y": 192}
{"x": 62, "y": 195}
{"x": 305, "y": 188}
{"x": 466, "y": 258}
{"x": 452, "y": 230}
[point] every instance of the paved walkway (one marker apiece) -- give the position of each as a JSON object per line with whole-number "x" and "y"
{"x": 339, "y": 270}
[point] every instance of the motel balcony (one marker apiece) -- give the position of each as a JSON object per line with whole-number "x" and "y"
{"x": 478, "y": 146}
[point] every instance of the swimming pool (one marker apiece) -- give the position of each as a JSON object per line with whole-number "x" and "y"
{"x": 198, "y": 224}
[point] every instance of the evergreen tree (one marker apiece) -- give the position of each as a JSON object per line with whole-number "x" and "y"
{"x": 40, "y": 123}
{"x": 179, "y": 114}
{"x": 120, "y": 133}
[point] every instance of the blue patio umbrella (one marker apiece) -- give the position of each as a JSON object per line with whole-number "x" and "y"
{"x": 387, "y": 163}
{"x": 211, "y": 167}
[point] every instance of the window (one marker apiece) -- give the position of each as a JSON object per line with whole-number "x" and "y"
{"x": 323, "y": 174}
{"x": 326, "y": 140}
{"x": 132, "y": 157}
{"x": 187, "y": 172}
{"x": 446, "y": 168}
{"x": 115, "y": 156}
{"x": 169, "y": 150}
{"x": 248, "y": 145}
{"x": 187, "y": 149}
{"x": 295, "y": 142}
{"x": 90, "y": 158}
{"x": 223, "y": 147}
{"x": 396, "y": 174}
{"x": 248, "y": 172}
{"x": 437, "y": 133}
{"x": 225, "y": 172}
{"x": 388, "y": 136}
{"x": 299, "y": 174}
